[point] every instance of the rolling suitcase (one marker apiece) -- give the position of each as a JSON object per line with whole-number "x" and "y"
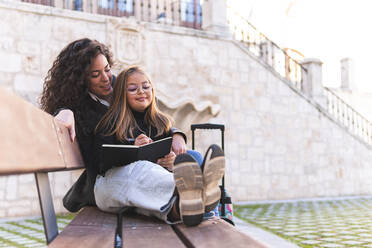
{"x": 225, "y": 204}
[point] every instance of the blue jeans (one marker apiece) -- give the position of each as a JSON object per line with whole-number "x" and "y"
{"x": 196, "y": 155}
{"x": 199, "y": 158}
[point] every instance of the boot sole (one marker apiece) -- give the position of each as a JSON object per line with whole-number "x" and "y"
{"x": 213, "y": 172}
{"x": 189, "y": 182}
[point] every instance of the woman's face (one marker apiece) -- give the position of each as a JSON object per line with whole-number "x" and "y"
{"x": 100, "y": 77}
{"x": 139, "y": 92}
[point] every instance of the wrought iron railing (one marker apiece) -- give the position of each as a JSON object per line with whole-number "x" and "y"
{"x": 43, "y": 2}
{"x": 284, "y": 61}
{"x": 348, "y": 116}
{"x": 186, "y": 13}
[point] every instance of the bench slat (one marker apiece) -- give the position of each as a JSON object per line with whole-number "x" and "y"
{"x": 90, "y": 228}
{"x": 215, "y": 233}
{"x": 29, "y": 140}
{"x": 92, "y": 216}
{"x": 85, "y": 236}
{"x": 141, "y": 231}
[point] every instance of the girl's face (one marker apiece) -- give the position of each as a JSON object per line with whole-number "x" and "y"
{"x": 139, "y": 92}
{"x": 100, "y": 77}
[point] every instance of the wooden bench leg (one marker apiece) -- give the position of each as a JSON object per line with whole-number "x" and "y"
{"x": 46, "y": 206}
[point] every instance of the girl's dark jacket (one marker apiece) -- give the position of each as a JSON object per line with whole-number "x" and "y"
{"x": 87, "y": 116}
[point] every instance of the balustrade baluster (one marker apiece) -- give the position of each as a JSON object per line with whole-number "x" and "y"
{"x": 115, "y": 8}
{"x": 354, "y": 122}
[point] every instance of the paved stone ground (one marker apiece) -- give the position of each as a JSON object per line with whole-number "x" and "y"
{"x": 345, "y": 222}
{"x": 26, "y": 232}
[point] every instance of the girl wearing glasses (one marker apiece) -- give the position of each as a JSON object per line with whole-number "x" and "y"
{"x": 133, "y": 118}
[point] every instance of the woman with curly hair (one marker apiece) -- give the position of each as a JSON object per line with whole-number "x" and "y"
{"x": 78, "y": 90}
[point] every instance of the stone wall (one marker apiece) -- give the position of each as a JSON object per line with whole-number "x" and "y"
{"x": 279, "y": 144}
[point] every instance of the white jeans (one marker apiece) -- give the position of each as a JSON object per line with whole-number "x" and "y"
{"x": 144, "y": 185}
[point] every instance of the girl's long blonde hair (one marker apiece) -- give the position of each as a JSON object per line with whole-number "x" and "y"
{"x": 119, "y": 119}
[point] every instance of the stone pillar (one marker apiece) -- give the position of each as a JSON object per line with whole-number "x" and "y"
{"x": 312, "y": 84}
{"x": 214, "y": 16}
{"x": 347, "y": 80}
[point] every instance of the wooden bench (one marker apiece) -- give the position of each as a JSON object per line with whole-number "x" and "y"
{"x": 32, "y": 142}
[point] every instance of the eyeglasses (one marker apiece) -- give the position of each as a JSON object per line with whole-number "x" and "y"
{"x": 134, "y": 89}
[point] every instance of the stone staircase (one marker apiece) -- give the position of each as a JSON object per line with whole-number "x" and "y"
{"x": 303, "y": 74}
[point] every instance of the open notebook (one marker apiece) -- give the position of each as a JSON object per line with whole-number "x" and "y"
{"x": 117, "y": 155}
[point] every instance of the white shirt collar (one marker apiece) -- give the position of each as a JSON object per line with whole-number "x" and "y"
{"x": 96, "y": 98}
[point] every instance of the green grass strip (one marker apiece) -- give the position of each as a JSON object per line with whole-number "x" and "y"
{"x": 21, "y": 235}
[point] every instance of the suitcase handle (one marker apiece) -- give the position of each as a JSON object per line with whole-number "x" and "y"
{"x": 207, "y": 126}
{"x": 222, "y": 128}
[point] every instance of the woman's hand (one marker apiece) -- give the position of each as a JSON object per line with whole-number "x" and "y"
{"x": 66, "y": 118}
{"x": 142, "y": 140}
{"x": 167, "y": 161}
{"x": 178, "y": 144}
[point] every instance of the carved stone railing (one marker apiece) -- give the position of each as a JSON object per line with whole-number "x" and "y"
{"x": 348, "y": 116}
{"x": 284, "y": 61}
{"x": 186, "y": 13}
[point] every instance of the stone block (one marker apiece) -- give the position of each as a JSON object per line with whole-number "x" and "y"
{"x": 19, "y": 210}
{"x": 245, "y": 139}
{"x": 27, "y": 191}
{"x": 235, "y": 177}
{"x": 262, "y": 77}
{"x": 61, "y": 184}
{"x": 10, "y": 62}
{"x": 31, "y": 64}
{"x": 162, "y": 49}
{"x": 223, "y": 58}
{"x": 7, "y": 79}
{"x": 7, "y": 43}
{"x": 28, "y": 83}
{"x": 11, "y": 23}
{"x": 35, "y": 207}
{"x": 206, "y": 56}
{"x": 38, "y": 28}
{"x": 243, "y": 65}
{"x": 233, "y": 64}
{"x": 11, "y": 189}
{"x": 28, "y": 47}
{"x": 188, "y": 41}
{"x": 62, "y": 30}
{"x": 3, "y": 180}
{"x": 27, "y": 178}
{"x": 176, "y": 52}
{"x": 259, "y": 91}
{"x": 2, "y": 194}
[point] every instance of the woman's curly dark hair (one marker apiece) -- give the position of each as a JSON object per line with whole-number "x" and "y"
{"x": 67, "y": 81}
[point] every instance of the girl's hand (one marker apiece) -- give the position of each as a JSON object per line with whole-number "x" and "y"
{"x": 178, "y": 144}
{"x": 142, "y": 140}
{"x": 168, "y": 161}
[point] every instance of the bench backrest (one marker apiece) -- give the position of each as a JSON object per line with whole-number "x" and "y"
{"x": 31, "y": 141}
